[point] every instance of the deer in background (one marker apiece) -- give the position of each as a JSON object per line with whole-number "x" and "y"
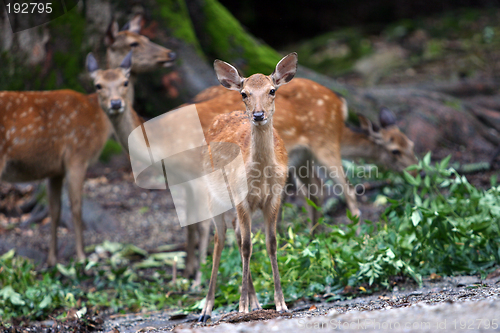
{"x": 57, "y": 134}
{"x": 147, "y": 56}
{"x": 265, "y": 159}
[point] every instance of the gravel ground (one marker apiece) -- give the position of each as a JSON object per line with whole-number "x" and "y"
{"x": 445, "y": 304}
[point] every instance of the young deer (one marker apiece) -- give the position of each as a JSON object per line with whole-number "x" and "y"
{"x": 56, "y": 134}
{"x": 310, "y": 118}
{"x": 265, "y": 159}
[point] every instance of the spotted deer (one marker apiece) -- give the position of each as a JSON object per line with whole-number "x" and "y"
{"x": 310, "y": 118}
{"x": 265, "y": 160}
{"x": 57, "y": 134}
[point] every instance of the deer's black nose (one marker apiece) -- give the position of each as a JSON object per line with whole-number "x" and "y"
{"x": 172, "y": 55}
{"x": 116, "y": 104}
{"x": 258, "y": 116}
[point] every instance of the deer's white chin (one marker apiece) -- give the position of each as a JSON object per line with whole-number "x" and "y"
{"x": 260, "y": 123}
{"x": 113, "y": 112}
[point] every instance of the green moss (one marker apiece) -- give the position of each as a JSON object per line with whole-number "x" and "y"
{"x": 175, "y": 16}
{"x": 231, "y": 43}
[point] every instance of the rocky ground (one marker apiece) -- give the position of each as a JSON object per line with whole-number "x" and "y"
{"x": 453, "y": 304}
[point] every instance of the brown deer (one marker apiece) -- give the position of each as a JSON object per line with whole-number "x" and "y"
{"x": 147, "y": 56}
{"x": 57, "y": 134}
{"x": 265, "y": 159}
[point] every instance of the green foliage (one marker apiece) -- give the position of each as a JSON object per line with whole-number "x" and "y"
{"x": 438, "y": 223}
{"x": 113, "y": 283}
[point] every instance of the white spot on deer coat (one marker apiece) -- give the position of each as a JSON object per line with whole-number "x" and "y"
{"x": 320, "y": 102}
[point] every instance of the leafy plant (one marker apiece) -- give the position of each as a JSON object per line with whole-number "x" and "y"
{"x": 107, "y": 283}
{"x": 437, "y": 223}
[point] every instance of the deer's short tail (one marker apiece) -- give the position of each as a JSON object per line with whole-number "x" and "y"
{"x": 345, "y": 110}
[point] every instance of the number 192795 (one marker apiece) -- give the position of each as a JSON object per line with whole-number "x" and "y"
{"x": 29, "y": 8}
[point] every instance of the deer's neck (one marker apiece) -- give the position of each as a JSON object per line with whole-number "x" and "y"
{"x": 262, "y": 144}
{"x": 357, "y": 145}
{"x": 124, "y": 124}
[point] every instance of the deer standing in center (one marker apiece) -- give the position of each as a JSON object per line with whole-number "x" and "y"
{"x": 265, "y": 159}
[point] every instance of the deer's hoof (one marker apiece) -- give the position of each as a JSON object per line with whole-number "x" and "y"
{"x": 203, "y": 318}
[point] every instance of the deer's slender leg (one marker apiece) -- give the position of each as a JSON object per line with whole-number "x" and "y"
{"x": 55, "y": 189}
{"x": 76, "y": 176}
{"x": 331, "y": 159}
{"x": 190, "y": 251}
{"x": 245, "y": 224}
{"x": 270, "y": 216}
{"x": 220, "y": 237}
{"x": 204, "y": 237}
{"x": 254, "y": 301}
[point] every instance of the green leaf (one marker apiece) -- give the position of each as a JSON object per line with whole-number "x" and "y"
{"x": 66, "y": 271}
{"x": 427, "y": 159}
{"x": 8, "y": 255}
{"x": 8, "y": 293}
{"x": 444, "y": 163}
{"x": 416, "y": 217}
{"x": 47, "y": 300}
{"x": 410, "y": 179}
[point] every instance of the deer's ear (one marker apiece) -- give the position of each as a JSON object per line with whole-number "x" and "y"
{"x": 365, "y": 123}
{"x": 285, "y": 69}
{"x": 387, "y": 118}
{"x": 111, "y": 33}
{"x": 92, "y": 66}
{"x": 227, "y": 75}
{"x": 127, "y": 64}
{"x": 134, "y": 25}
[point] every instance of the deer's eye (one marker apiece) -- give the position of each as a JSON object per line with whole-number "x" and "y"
{"x": 244, "y": 95}
{"x": 98, "y": 86}
{"x": 125, "y": 83}
{"x": 396, "y": 152}
{"x": 134, "y": 44}
{"x": 272, "y": 92}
